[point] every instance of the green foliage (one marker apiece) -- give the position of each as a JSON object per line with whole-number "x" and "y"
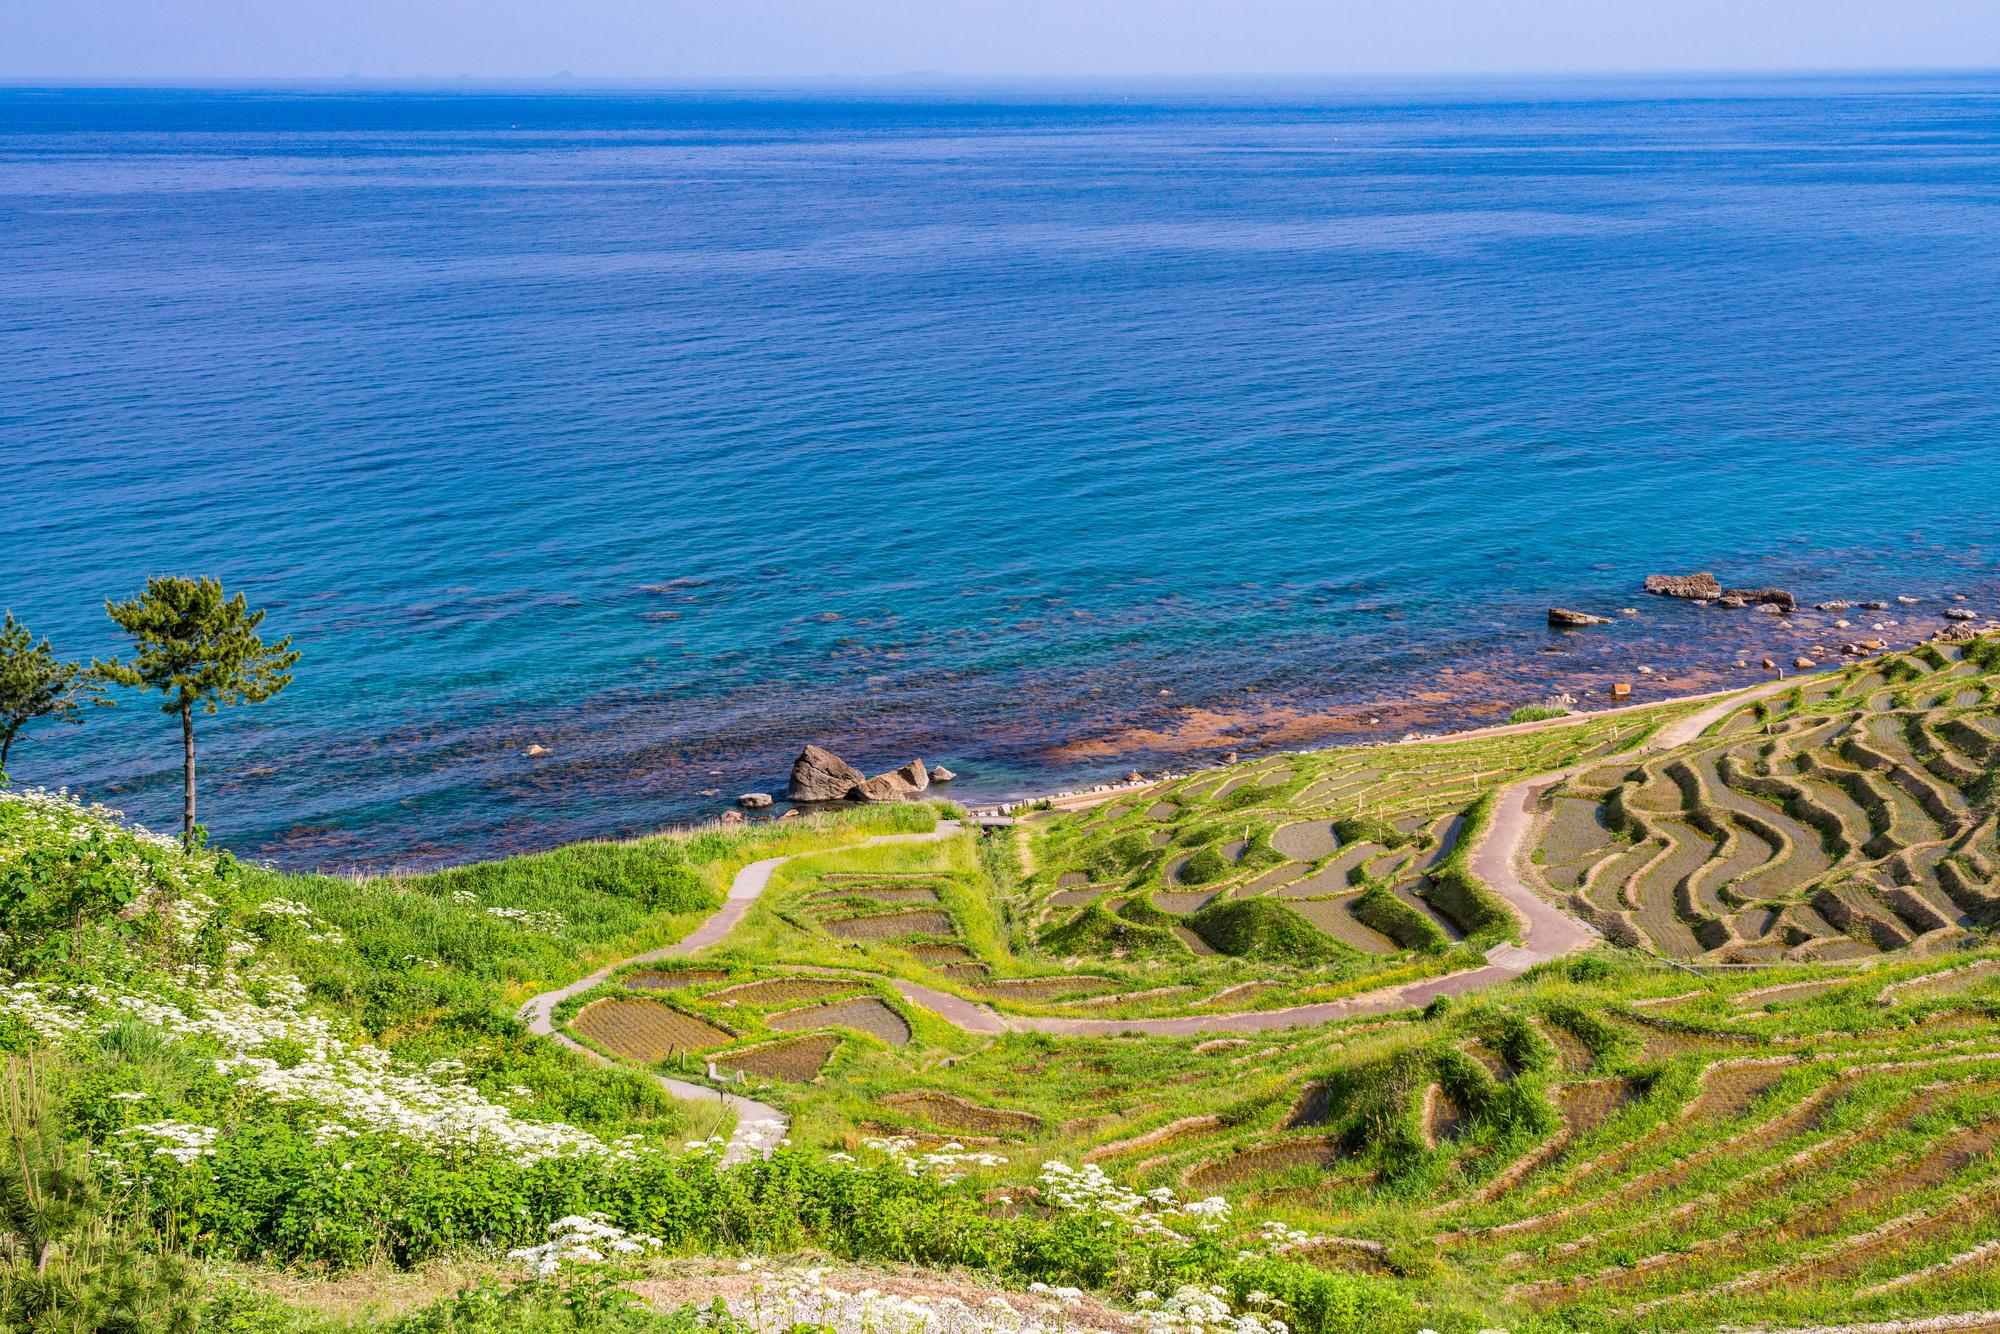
{"x": 35, "y": 684}
{"x": 1585, "y": 1023}
{"x": 1141, "y": 909}
{"x": 1133, "y": 851}
{"x": 1378, "y": 907}
{"x": 1371, "y": 829}
{"x": 1263, "y": 928}
{"x": 1984, "y": 653}
{"x": 1535, "y": 713}
{"x": 71, "y": 1263}
{"x": 1456, "y": 892}
{"x": 1097, "y": 932}
{"x": 1900, "y": 668}
{"x": 75, "y": 902}
{"x": 596, "y": 1305}
{"x": 657, "y": 873}
{"x": 1317, "y": 1301}
{"x": 1204, "y": 866}
{"x": 1248, "y": 795}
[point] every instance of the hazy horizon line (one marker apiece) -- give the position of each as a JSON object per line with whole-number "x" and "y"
{"x": 567, "y": 79}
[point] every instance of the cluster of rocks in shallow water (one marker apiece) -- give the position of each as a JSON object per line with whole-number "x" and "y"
{"x": 1704, "y": 589}
{"x": 820, "y": 775}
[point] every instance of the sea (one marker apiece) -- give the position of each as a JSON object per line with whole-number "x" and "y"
{"x": 1049, "y": 431}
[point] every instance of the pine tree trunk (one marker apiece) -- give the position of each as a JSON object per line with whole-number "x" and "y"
{"x": 187, "y": 774}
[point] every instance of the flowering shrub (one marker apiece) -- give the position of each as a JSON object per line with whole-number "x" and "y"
{"x": 1197, "y": 1310}
{"x": 180, "y": 1142}
{"x": 282, "y": 912}
{"x": 545, "y": 921}
{"x": 581, "y": 1239}
{"x": 83, "y": 895}
{"x": 946, "y": 1164}
{"x": 1089, "y": 1190}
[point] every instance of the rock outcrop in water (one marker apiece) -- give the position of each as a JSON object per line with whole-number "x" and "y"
{"x": 1699, "y": 586}
{"x": 896, "y": 785}
{"x": 1761, "y": 597}
{"x": 1564, "y": 618}
{"x": 820, "y": 775}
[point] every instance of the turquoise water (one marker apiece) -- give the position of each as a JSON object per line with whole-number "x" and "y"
{"x": 669, "y": 430}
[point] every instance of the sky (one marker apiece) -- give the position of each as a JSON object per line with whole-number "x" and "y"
{"x": 58, "y": 40}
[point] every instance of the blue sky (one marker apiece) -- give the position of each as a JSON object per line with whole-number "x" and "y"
{"x": 709, "y": 39}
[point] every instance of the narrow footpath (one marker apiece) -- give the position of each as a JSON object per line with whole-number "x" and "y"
{"x": 758, "y": 1124}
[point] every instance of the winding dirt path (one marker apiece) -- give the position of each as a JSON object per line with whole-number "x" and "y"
{"x": 758, "y": 1124}
{"x": 1546, "y": 933}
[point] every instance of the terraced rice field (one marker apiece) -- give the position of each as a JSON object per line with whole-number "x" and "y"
{"x": 955, "y": 1113}
{"x": 1044, "y": 988}
{"x": 889, "y": 926}
{"x": 1953, "y": 982}
{"x": 890, "y": 894}
{"x": 1271, "y": 823}
{"x": 646, "y": 1031}
{"x": 1332, "y": 917}
{"x": 938, "y": 953}
{"x": 1264, "y": 1160}
{"x": 1837, "y": 823}
{"x": 783, "y": 990}
{"x": 866, "y": 1015}
{"x": 1610, "y": 1141}
{"x": 1307, "y": 841}
{"x": 656, "y": 979}
{"x": 794, "y": 1060}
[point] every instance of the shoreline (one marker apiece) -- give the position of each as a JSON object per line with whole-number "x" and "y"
{"x": 602, "y": 784}
{"x": 1082, "y": 796}
{"x": 1072, "y": 799}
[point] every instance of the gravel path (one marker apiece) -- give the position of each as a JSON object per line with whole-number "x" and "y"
{"x": 758, "y": 1124}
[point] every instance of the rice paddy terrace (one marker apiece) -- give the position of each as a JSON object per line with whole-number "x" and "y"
{"x": 1772, "y": 1093}
{"x": 1850, "y": 817}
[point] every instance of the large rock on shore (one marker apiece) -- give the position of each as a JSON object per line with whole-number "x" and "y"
{"x": 1565, "y": 618}
{"x": 1701, "y": 586}
{"x": 1759, "y": 597}
{"x": 896, "y": 785}
{"x": 820, "y": 775}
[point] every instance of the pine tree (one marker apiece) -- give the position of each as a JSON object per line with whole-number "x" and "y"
{"x": 197, "y": 647}
{"x": 35, "y": 683}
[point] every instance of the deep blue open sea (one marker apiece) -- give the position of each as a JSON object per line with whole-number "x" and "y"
{"x": 668, "y": 430}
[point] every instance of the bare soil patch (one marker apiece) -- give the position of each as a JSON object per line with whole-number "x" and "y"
{"x": 866, "y": 1014}
{"x": 888, "y": 926}
{"x": 956, "y": 1113}
{"x": 644, "y": 1030}
{"x": 779, "y": 990}
{"x": 795, "y": 1060}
